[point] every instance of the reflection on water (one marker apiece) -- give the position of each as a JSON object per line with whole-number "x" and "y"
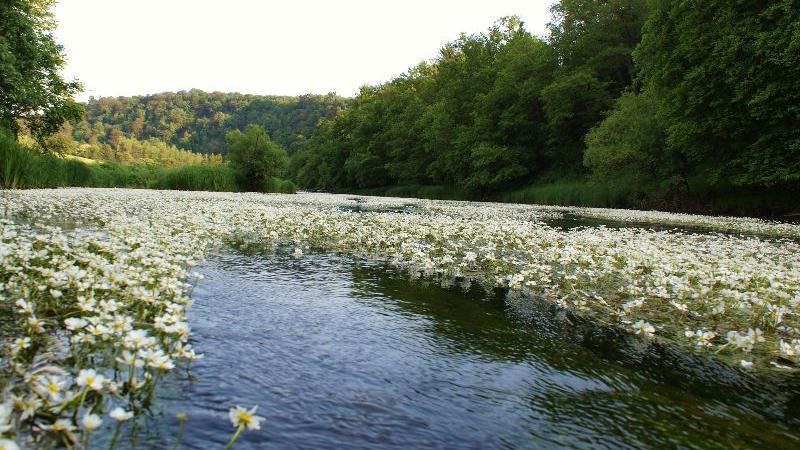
{"x": 340, "y": 354}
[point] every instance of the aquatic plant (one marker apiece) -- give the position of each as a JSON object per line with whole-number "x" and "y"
{"x": 99, "y": 307}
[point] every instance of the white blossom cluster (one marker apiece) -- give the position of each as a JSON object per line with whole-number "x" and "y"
{"x": 746, "y": 225}
{"x": 97, "y": 318}
{"x": 112, "y": 290}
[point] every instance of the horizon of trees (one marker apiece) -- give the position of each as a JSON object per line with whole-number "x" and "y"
{"x": 199, "y": 121}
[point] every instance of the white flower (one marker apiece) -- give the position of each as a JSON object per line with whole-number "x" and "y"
{"x": 29, "y": 407}
{"x": 643, "y": 328}
{"x": 24, "y": 307}
{"x": 35, "y": 325}
{"x": 120, "y": 414}
{"x": 60, "y": 425}
{"x": 75, "y": 323}
{"x": 240, "y": 416}
{"x": 91, "y": 422}
{"x": 51, "y": 388}
{"x": 21, "y": 344}
{"x": 131, "y": 359}
{"x": 90, "y": 379}
{"x": 470, "y": 257}
{"x": 746, "y": 364}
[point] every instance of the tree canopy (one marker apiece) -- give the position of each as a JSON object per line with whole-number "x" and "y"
{"x": 198, "y": 121}
{"x": 31, "y": 89}
{"x": 255, "y": 157}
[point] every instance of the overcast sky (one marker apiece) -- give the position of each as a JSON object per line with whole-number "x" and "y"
{"x": 130, "y": 47}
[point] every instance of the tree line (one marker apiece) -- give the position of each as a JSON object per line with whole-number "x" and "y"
{"x": 199, "y": 121}
{"x": 674, "y": 101}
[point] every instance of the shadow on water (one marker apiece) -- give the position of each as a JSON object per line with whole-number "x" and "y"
{"x": 345, "y": 354}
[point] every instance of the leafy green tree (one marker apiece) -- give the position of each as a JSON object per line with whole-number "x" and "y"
{"x": 255, "y": 157}
{"x": 493, "y": 167}
{"x": 599, "y": 36}
{"x": 572, "y": 105}
{"x": 727, "y": 73}
{"x": 31, "y": 89}
{"x": 594, "y": 40}
{"x": 629, "y": 149}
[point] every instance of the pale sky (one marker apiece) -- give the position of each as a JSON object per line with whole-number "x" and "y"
{"x": 134, "y": 47}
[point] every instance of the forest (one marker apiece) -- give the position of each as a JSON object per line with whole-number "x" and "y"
{"x": 198, "y": 121}
{"x": 681, "y": 105}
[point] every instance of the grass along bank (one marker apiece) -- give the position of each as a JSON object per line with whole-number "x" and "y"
{"x": 24, "y": 168}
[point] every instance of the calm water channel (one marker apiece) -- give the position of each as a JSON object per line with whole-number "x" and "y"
{"x": 342, "y": 354}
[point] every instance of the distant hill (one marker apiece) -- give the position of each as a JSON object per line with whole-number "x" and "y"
{"x": 198, "y": 121}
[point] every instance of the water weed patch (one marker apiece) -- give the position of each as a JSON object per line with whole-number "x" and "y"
{"x": 98, "y": 308}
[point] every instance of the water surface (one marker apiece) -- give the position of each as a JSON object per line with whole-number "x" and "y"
{"x": 339, "y": 353}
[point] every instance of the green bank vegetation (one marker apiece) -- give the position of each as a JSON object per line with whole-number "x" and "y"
{"x": 677, "y": 105}
{"x": 24, "y": 167}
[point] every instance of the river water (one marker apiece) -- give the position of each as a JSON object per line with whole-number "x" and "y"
{"x": 338, "y": 353}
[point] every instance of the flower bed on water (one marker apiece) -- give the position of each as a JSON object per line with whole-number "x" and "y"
{"x": 93, "y": 311}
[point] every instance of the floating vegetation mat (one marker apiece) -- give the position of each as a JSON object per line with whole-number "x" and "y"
{"x": 95, "y": 283}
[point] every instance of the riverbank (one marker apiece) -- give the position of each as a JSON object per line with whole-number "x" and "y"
{"x": 780, "y": 204}
{"x": 24, "y": 168}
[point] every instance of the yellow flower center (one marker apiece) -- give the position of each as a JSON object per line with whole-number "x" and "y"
{"x": 245, "y": 417}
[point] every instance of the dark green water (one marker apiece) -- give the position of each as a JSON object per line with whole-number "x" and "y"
{"x": 340, "y": 354}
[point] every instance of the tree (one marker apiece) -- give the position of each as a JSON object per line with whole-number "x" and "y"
{"x": 727, "y": 74}
{"x": 572, "y": 105}
{"x": 255, "y": 157}
{"x": 492, "y": 167}
{"x": 599, "y": 36}
{"x": 628, "y": 148}
{"x": 31, "y": 89}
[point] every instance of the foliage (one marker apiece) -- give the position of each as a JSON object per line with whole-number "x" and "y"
{"x": 23, "y": 167}
{"x": 473, "y": 111}
{"x": 628, "y": 147}
{"x": 704, "y": 114}
{"x": 31, "y": 88}
{"x": 255, "y": 157}
{"x": 494, "y": 110}
{"x": 198, "y": 121}
{"x": 152, "y": 151}
{"x": 199, "y": 178}
{"x": 568, "y": 192}
{"x": 727, "y": 74}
